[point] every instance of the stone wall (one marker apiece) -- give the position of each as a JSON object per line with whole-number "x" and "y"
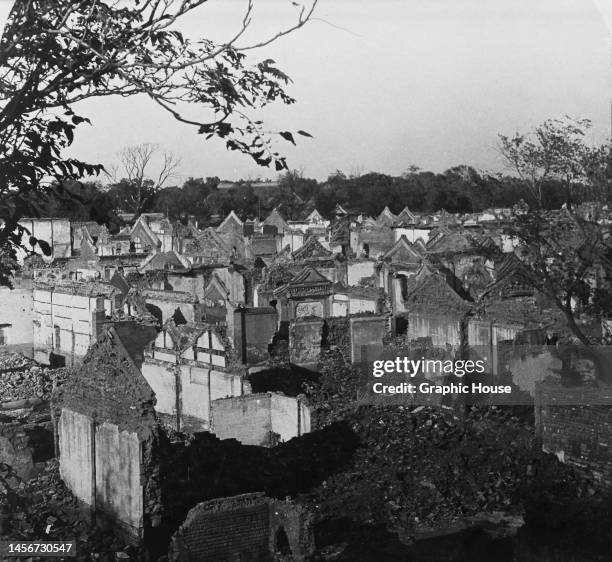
{"x": 366, "y": 333}
{"x": 260, "y": 419}
{"x": 580, "y": 435}
{"x": 305, "y": 339}
{"x": 244, "y": 527}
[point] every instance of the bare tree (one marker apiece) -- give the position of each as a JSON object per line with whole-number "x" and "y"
{"x": 136, "y": 183}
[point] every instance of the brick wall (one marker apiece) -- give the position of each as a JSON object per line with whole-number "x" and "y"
{"x": 244, "y": 527}
{"x": 579, "y": 435}
{"x": 230, "y": 529}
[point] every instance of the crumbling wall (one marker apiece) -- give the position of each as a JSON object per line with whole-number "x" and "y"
{"x": 161, "y": 379}
{"x": 260, "y": 419}
{"x": 289, "y": 416}
{"x": 366, "y": 333}
{"x": 246, "y": 419}
{"x": 199, "y": 386}
{"x": 575, "y": 423}
{"x": 244, "y": 527}
{"x": 305, "y": 339}
{"x": 224, "y": 529}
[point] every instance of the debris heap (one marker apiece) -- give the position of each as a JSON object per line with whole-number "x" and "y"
{"x": 418, "y": 469}
{"x": 22, "y": 378}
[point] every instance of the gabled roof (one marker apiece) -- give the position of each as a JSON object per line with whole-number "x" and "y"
{"x": 309, "y": 275}
{"x": 231, "y": 223}
{"x": 209, "y": 245}
{"x": 164, "y": 261}
{"x": 429, "y": 293}
{"x": 451, "y": 242}
{"x": 314, "y": 216}
{"x": 276, "y": 219}
{"x": 340, "y": 210}
{"x": 512, "y": 280}
{"x": 141, "y": 227}
{"x": 312, "y": 249}
{"x": 406, "y": 216}
{"x": 214, "y": 288}
{"x": 403, "y": 252}
{"x": 386, "y": 217}
{"x": 419, "y": 245}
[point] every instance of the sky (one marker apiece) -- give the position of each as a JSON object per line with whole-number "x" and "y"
{"x": 386, "y": 84}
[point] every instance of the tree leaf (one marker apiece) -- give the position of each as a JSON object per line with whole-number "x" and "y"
{"x": 287, "y": 136}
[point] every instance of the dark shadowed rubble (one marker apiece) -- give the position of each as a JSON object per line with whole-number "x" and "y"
{"x": 429, "y": 467}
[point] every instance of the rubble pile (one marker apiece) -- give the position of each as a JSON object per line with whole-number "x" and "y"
{"x": 44, "y": 508}
{"x": 22, "y": 378}
{"x": 426, "y": 467}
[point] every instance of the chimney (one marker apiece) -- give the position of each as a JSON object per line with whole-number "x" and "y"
{"x": 98, "y": 319}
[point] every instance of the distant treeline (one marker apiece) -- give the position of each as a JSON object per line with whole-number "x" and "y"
{"x": 458, "y": 190}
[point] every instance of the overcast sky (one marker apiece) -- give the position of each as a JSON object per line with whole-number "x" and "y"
{"x": 383, "y": 84}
